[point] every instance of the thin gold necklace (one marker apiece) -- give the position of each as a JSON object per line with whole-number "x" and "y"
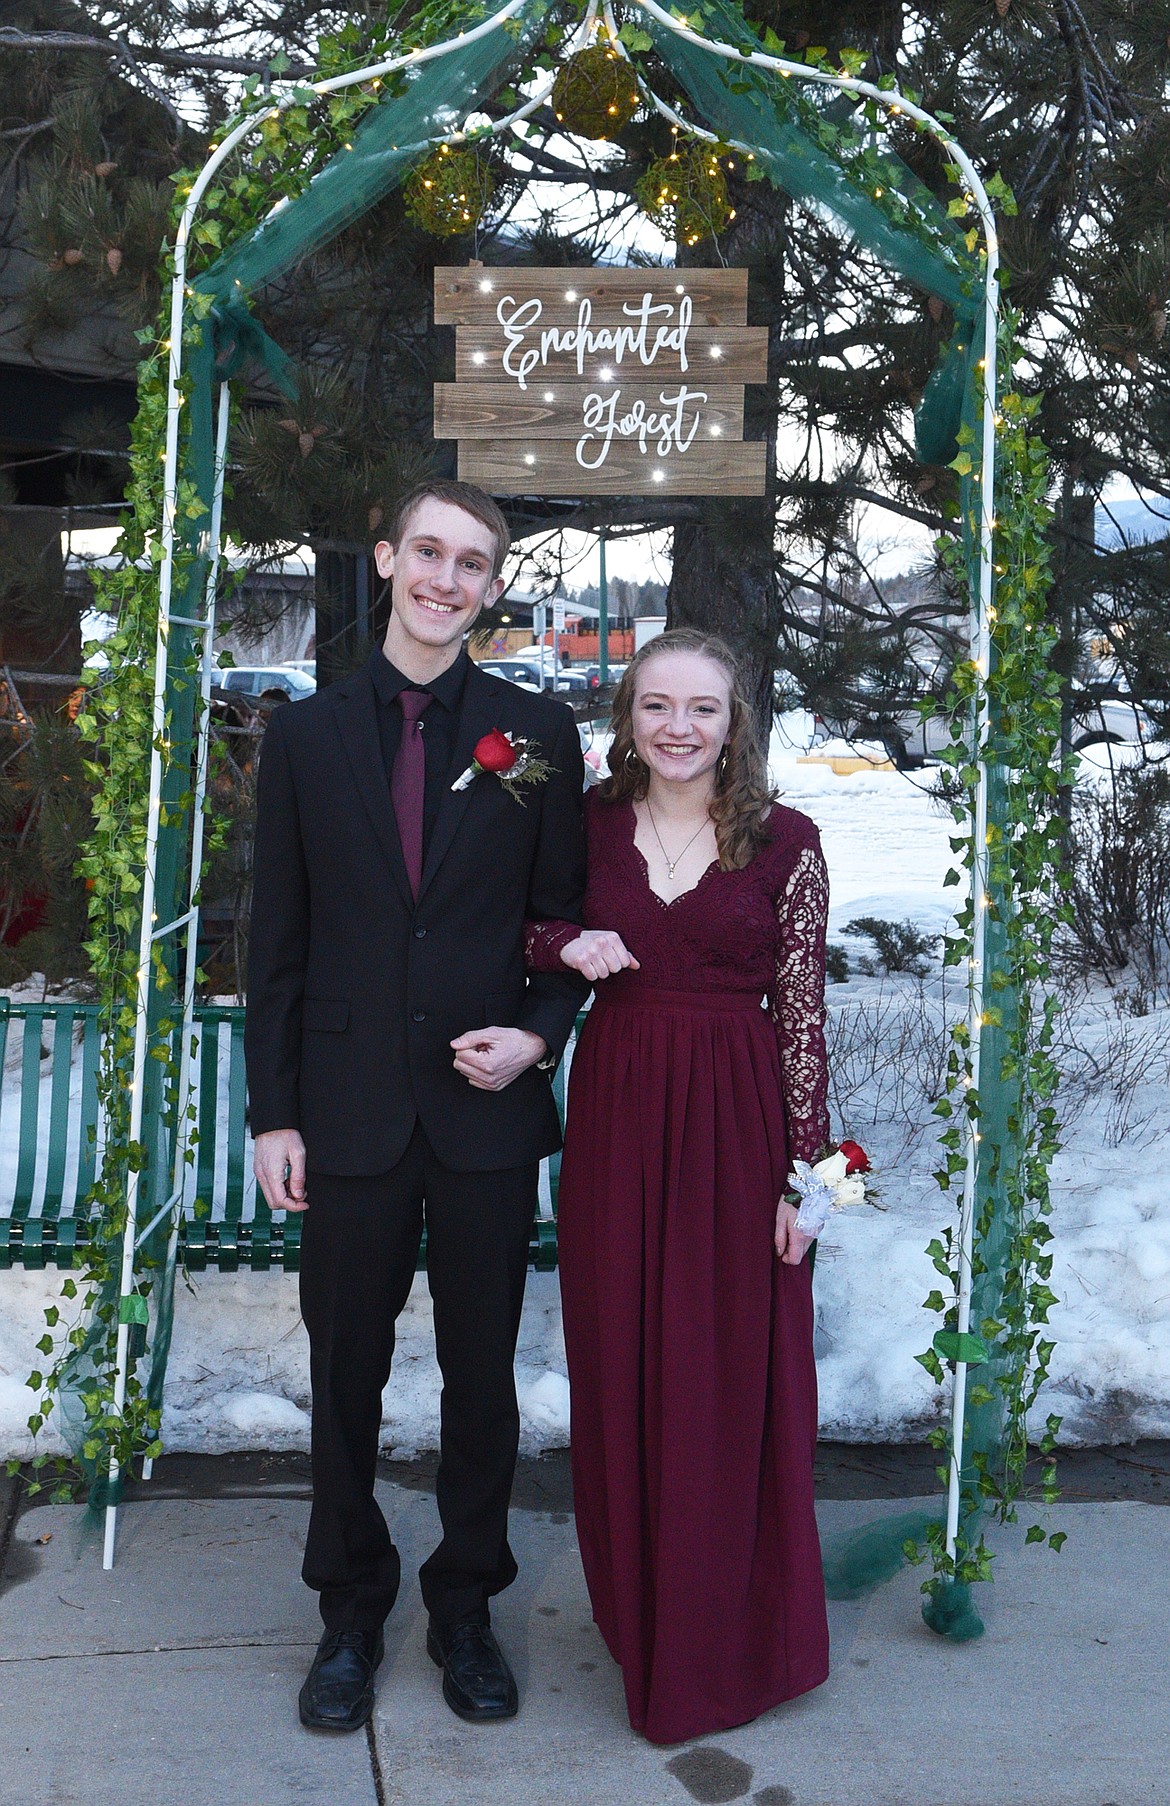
{"x": 671, "y": 863}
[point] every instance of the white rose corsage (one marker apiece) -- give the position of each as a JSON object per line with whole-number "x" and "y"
{"x": 832, "y": 1183}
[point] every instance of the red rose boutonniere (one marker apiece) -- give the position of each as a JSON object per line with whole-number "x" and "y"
{"x": 510, "y": 758}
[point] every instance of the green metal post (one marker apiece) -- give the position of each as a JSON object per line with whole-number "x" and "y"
{"x": 603, "y": 617}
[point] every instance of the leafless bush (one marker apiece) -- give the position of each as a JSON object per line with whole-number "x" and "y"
{"x": 888, "y": 1050}
{"x": 1121, "y": 1063}
{"x": 887, "y": 1057}
{"x": 1120, "y": 871}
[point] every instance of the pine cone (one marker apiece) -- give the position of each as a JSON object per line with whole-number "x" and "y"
{"x": 73, "y": 257}
{"x": 934, "y": 308}
{"x": 102, "y": 170}
{"x": 113, "y": 260}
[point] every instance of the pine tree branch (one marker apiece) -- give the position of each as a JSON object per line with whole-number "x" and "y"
{"x": 127, "y": 59}
{"x": 860, "y": 493}
{"x": 136, "y": 54}
{"x": 28, "y": 131}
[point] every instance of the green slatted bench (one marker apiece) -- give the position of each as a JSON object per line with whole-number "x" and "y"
{"x": 49, "y": 1152}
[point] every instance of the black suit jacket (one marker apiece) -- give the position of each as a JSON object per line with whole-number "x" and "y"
{"x": 355, "y": 990}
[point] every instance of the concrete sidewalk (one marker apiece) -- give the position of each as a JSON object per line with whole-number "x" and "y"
{"x": 173, "y": 1681}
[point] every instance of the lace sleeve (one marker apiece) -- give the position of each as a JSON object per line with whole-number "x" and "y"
{"x": 798, "y": 1003}
{"x": 543, "y": 942}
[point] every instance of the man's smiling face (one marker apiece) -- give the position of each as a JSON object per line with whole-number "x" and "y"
{"x": 440, "y": 574}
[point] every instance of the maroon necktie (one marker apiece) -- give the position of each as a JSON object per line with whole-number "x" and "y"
{"x": 408, "y": 782}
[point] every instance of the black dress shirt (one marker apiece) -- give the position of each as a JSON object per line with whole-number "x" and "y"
{"x": 439, "y": 719}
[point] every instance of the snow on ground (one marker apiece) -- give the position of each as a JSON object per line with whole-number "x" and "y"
{"x": 886, "y": 845}
{"x": 239, "y": 1370}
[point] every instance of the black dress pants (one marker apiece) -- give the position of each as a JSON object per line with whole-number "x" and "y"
{"x": 358, "y": 1253}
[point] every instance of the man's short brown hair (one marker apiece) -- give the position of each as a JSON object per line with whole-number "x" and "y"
{"x": 468, "y": 496}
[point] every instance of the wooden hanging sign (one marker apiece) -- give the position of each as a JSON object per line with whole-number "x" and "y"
{"x": 601, "y": 381}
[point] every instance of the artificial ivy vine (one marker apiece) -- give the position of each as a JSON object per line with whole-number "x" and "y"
{"x": 1007, "y": 1350}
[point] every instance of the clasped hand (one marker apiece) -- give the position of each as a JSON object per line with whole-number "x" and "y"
{"x": 490, "y": 1058}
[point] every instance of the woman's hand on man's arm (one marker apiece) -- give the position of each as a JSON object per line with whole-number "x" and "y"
{"x": 597, "y": 953}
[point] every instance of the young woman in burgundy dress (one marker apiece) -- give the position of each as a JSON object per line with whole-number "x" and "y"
{"x": 686, "y": 1292}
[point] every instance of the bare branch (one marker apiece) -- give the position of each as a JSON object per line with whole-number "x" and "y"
{"x": 12, "y": 39}
{"x": 28, "y": 131}
{"x": 149, "y": 87}
{"x": 885, "y": 500}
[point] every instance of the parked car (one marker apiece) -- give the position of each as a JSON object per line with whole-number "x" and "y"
{"x": 516, "y": 673}
{"x": 909, "y": 741}
{"x": 527, "y": 676}
{"x": 1109, "y": 722}
{"x": 268, "y": 683}
{"x": 593, "y": 674}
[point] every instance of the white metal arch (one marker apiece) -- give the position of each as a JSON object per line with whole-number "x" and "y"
{"x": 597, "y": 12}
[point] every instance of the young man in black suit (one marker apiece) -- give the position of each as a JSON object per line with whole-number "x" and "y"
{"x": 399, "y": 1072}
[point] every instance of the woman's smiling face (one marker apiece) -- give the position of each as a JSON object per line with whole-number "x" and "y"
{"x": 681, "y": 715}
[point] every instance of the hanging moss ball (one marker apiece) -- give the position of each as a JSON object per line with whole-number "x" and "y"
{"x": 595, "y": 93}
{"x": 448, "y": 192}
{"x": 685, "y": 193}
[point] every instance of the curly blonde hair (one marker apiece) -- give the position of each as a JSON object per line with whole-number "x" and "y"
{"x": 743, "y": 798}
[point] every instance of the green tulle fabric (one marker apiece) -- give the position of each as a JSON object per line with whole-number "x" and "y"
{"x": 858, "y": 1561}
{"x": 948, "y": 1609}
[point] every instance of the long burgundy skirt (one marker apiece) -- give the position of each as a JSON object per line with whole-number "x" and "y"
{"x": 690, "y": 1363}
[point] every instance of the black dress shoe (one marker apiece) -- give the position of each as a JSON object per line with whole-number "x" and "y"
{"x": 338, "y": 1694}
{"x": 477, "y": 1681}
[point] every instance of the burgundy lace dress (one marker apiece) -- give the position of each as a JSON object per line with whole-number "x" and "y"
{"x": 689, "y": 1342}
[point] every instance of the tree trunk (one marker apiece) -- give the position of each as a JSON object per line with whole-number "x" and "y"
{"x": 723, "y": 578}
{"x": 1073, "y": 533}
{"x": 349, "y": 619}
{"x": 40, "y": 620}
{"x": 724, "y": 582}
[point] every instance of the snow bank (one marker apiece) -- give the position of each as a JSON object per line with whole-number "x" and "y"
{"x": 239, "y": 1370}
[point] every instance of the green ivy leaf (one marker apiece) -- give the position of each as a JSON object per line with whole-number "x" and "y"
{"x": 953, "y": 1346}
